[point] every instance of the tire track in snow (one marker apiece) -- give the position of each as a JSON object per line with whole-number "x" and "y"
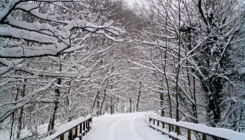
{"x": 141, "y": 127}
{"x": 111, "y": 130}
{"x": 133, "y": 131}
{"x": 123, "y": 127}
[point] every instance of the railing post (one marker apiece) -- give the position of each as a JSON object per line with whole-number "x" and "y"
{"x": 91, "y": 122}
{"x": 88, "y": 122}
{"x": 76, "y": 129}
{"x": 81, "y": 128}
{"x": 154, "y": 121}
{"x": 81, "y": 131}
{"x": 169, "y": 129}
{"x": 162, "y": 126}
{"x": 62, "y": 137}
{"x": 84, "y": 123}
{"x": 177, "y": 130}
{"x": 157, "y": 122}
{"x": 70, "y": 137}
{"x": 189, "y": 134}
{"x": 204, "y": 136}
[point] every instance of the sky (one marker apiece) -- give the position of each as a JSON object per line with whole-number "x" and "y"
{"x": 131, "y": 2}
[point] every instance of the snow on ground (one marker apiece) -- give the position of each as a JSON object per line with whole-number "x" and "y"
{"x": 4, "y": 135}
{"x": 41, "y": 130}
{"x": 131, "y": 126}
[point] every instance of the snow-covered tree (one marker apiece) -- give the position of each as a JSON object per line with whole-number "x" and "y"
{"x": 48, "y": 49}
{"x": 193, "y": 51}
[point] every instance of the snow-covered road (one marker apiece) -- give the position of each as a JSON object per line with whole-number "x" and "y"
{"x": 131, "y": 126}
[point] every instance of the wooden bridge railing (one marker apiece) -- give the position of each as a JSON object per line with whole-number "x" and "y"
{"x": 74, "y": 129}
{"x": 167, "y": 127}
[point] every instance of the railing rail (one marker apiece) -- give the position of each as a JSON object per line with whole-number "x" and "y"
{"x": 168, "y": 125}
{"x": 74, "y": 129}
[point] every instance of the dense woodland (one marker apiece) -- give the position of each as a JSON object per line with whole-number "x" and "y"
{"x": 59, "y": 60}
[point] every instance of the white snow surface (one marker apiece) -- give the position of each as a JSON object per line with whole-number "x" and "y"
{"x": 241, "y": 70}
{"x": 133, "y": 126}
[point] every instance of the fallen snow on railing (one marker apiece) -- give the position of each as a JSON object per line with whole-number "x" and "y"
{"x": 220, "y": 132}
{"x": 66, "y": 127}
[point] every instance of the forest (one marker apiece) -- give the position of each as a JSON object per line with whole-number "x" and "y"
{"x": 62, "y": 59}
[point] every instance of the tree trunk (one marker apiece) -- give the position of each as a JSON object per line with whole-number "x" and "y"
{"x": 111, "y": 106}
{"x": 177, "y": 77}
{"x": 95, "y": 99}
{"x": 111, "y": 102}
{"x": 162, "y": 103}
{"x": 55, "y": 104}
{"x": 55, "y": 107}
{"x": 138, "y": 99}
{"x": 130, "y": 103}
{"x": 13, "y": 115}
{"x": 165, "y": 72}
{"x": 102, "y": 103}
{"x": 194, "y": 106}
{"x": 98, "y": 103}
{"x": 240, "y": 121}
{"x": 19, "y": 127}
{"x": 192, "y": 90}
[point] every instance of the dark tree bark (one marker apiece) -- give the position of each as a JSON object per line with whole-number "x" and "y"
{"x": 130, "y": 104}
{"x": 19, "y": 127}
{"x": 138, "y": 99}
{"x": 103, "y": 100}
{"x": 162, "y": 104}
{"x": 55, "y": 104}
{"x": 13, "y": 115}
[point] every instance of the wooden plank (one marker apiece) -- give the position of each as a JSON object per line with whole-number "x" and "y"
{"x": 169, "y": 129}
{"x": 62, "y": 137}
{"x": 90, "y": 122}
{"x": 189, "y": 134}
{"x": 70, "y": 137}
{"x": 163, "y": 126}
{"x": 177, "y": 130}
{"x": 204, "y": 136}
{"x": 84, "y": 126}
{"x": 88, "y": 125}
{"x": 76, "y": 129}
{"x": 81, "y": 128}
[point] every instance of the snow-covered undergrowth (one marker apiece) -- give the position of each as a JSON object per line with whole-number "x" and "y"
{"x": 39, "y": 131}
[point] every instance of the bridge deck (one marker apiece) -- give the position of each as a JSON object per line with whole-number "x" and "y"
{"x": 123, "y": 127}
